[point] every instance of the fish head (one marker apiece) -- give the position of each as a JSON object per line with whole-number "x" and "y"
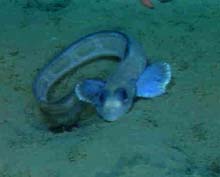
{"x": 112, "y": 104}
{"x": 110, "y": 101}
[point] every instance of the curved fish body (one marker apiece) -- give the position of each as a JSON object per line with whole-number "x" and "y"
{"x": 108, "y": 101}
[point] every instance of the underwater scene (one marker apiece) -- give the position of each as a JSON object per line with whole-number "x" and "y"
{"x": 109, "y": 88}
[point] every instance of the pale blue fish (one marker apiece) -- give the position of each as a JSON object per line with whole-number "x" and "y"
{"x": 112, "y": 98}
{"x": 151, "y": 83}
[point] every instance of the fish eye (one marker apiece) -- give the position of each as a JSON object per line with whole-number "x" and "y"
{"x": 102, "y": 97}
{"x": 121, "y": 94}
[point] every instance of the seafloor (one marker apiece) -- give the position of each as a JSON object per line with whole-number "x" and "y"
{"x": 175, "y": 135}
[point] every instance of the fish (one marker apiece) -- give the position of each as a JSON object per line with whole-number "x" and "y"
{"x": 150, "y": 5}
{"x": 112, "y": 97}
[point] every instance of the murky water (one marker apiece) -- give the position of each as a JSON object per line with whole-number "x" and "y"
{"x": 174, "y": 135}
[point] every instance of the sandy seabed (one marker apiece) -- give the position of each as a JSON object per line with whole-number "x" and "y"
{"x": 174, "y": 135}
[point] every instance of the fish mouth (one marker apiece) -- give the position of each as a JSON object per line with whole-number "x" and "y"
{"x": 110, "y": 119}
{"x": 112, "y": 110}
{"x": 112, "y": 116}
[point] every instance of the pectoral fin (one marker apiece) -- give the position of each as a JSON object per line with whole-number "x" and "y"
{"x": 153, "y": 81}
{"x": 88, "y": 89}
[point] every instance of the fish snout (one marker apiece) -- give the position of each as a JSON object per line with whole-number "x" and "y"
{"x": 112, "y": 109}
